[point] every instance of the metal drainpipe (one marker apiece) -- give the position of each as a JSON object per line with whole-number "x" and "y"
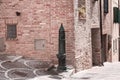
{"x": 118, "y": 23}
{"x": 119, "y": 32}
{"x": 100, "y": 4}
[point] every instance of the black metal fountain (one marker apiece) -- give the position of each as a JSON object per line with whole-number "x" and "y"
{"x": 61, "y": 55}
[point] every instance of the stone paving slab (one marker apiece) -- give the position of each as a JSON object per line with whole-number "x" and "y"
{"x": 2, "y": 76}
{"x": 37, "y": 64}
{"x": 5, "y": 57}
{"x": 2, "y": 69}
{"x": 19, "y": 68}
{"x": 9, "y": 65}
{"x": 19, "y": 73}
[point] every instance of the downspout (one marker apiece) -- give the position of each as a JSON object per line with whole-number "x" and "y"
{"x": 118, "y": 14}
{"x": 100, "y": 6}
{"x": 119, "y": 35}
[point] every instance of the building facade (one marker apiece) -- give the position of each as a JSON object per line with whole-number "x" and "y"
{"x": 97, "y": 35}
{"x": 35, "y": 25}
{"x": 111, "y": 30}
{"x": 31, "y": 28}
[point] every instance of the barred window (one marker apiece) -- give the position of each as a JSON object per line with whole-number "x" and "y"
{"x": 11, "y": 31}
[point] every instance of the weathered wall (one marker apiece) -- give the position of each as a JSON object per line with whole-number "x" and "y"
{"x": 95, "y": 33}
{"x": 115, "y": 35}
{"x": 83, "y": 47}
{"x": 107, "y": 19}
{"x": 39, "y": 19}
{"x": 112, "y": 30}
{"x": 107, "y": 29}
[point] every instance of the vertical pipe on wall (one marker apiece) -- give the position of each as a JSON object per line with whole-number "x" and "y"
{"x": 119, "y": 31}
{"x": 100, "y": 6}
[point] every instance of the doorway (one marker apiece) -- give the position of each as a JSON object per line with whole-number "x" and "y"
{"x": 96, "y": 46}
{"x": 105, "y": 47}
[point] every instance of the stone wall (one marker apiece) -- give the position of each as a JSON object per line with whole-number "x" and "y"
{"x": 95, "y": 33}
{"x": 83, "y": 50}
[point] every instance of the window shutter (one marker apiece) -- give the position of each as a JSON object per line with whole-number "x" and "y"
{"x": 119, "y": 16}
{"x": 115, "y": 14}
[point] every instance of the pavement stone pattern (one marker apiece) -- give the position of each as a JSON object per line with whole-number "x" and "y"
{"x": 19, "y": 68}
{"x": 110, "y": 71}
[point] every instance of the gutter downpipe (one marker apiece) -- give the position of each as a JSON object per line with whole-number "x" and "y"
{"x": 119, "y": 35}
{"x": 101, "y": 31}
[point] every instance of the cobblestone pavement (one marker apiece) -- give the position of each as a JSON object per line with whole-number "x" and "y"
{"x": 19, "y": 68}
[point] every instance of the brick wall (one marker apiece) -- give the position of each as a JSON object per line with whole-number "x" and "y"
{"x": 39, "y": 20}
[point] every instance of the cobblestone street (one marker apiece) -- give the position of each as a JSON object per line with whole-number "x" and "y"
{"x": 19, "y": 68}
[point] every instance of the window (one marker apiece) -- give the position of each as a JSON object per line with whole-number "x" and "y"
{"x": 11, "y": 31}
{"x": 106, "y": 6}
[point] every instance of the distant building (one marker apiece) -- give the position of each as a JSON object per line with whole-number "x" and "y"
{"x": 111, "y": 32}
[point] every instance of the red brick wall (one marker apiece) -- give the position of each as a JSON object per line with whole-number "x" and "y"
{"x": 39, "y": 19}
